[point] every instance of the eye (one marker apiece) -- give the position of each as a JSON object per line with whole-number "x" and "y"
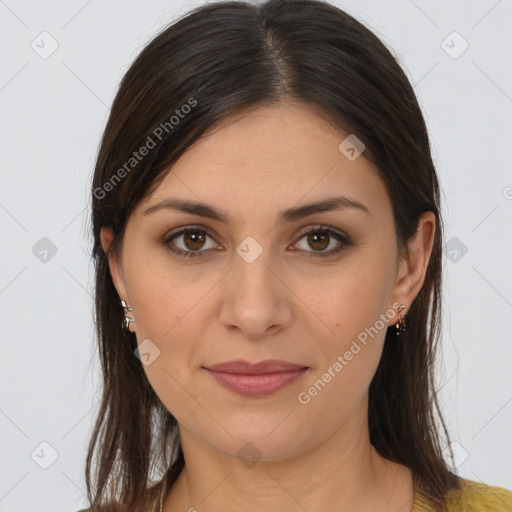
{"x": 321, "y": 238}
{"x": 192, "y": 241}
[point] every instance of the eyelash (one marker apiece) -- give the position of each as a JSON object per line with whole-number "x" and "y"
{"x": 344, "y": 241}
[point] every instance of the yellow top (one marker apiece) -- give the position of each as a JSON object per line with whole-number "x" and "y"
{"x": 471, "y": 497}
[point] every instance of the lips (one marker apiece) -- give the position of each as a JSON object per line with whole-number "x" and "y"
{"x": 241, "y": 367}
{"x": 256, "y": 379}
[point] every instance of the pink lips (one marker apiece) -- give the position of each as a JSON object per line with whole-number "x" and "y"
{"x": 256, "y": 379}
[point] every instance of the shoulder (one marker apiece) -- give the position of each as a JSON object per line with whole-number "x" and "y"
{"x": 478, "y": 497}
{"x": 470, "y": 497}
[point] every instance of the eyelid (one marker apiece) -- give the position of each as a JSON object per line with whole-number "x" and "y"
{"x": 322, "y": 227}
{"x": 188, "y": 227}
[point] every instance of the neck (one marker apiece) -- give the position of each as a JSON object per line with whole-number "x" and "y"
{"x": 344, "y": 470}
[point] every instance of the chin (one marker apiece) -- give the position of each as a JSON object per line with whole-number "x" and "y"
{"x": 260, "y": 440}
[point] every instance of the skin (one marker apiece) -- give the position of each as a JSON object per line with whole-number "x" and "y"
{"x": 207, "y": 309}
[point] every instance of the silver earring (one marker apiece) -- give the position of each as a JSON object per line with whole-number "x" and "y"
{"x": 127, "y": 319}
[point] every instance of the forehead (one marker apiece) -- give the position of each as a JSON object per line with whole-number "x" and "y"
{"x": 259, "y": 159}
{"x": 279, "y": 135}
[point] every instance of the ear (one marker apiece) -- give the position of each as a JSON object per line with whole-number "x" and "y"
{"x": 412, "y": 270}
{"x": 116, "y": 270}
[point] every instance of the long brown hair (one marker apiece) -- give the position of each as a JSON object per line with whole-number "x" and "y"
{"x": 221, "y": 59}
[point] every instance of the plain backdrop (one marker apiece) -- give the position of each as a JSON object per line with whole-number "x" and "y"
{"x": 61, "y": 63}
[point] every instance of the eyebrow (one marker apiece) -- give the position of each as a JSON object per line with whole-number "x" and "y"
{"x": 289, "y": 215}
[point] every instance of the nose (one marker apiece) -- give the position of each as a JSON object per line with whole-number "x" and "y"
{"x": 255, "y": 298}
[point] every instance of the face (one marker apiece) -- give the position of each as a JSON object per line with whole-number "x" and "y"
{"x": 316, "y": 290}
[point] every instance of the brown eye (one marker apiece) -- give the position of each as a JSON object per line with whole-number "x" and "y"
{"x": 193, "y": 240}
{"x": 321, "y": 238}
{"x": 189, "y": 242}
{"x": 317, "y": 241}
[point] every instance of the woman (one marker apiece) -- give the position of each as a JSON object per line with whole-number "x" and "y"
{"x": 266, "y": 217}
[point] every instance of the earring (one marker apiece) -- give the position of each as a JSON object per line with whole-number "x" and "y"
{"x": 400, "y": 325}
{"x": 127, "y": 319}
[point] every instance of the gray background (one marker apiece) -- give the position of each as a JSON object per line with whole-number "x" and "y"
{"x": 53, "y": 111}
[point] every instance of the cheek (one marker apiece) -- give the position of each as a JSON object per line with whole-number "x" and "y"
{"x": 352, "y": 304}
{"x": 163, "y": 297}
{"x": 349, "y": 299}
{"x": 170, "y": 308}
{"x": 349, "y": 358}
{"x": 169, "y": 312}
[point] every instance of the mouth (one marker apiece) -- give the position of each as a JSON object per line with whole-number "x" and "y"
{"x": 256, "y": 379}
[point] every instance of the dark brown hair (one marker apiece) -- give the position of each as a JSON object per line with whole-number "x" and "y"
{"x": 225, "y": 58}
